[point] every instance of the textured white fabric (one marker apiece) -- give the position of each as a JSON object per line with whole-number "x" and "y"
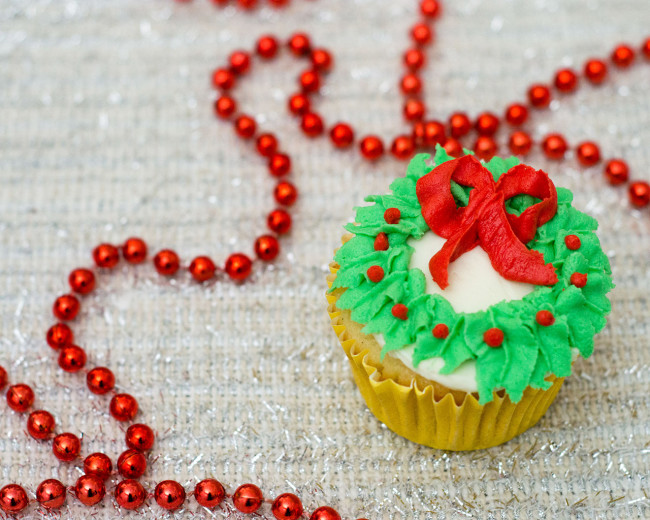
{"x": 107, "y": 131}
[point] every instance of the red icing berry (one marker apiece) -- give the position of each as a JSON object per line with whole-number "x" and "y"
{"x": 493, "y": 337}
{"x": 572, "y": 242}
{"x": 400, "y": 311}
{"x": 579, "y": 280}
{"x": 440, "y": 331}
{"x": 545, "y": 318}
{"x": 381, "y": 242}
{"x": 375, "y": 273}
{"x": 392, "y": 215}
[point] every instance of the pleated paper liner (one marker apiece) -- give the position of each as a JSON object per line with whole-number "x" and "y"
{"x": 425, "y": 415}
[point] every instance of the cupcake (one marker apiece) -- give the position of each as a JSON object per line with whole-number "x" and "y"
{"x": 463, "y": 297}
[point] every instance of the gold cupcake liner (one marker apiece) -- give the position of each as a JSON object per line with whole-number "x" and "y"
{"x": 438, "y": 422}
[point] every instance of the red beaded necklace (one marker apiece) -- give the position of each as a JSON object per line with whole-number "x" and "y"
{"x": 90, "y": 488}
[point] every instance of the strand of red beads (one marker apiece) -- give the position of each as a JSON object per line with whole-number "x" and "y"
{"x": 90, "y": 489}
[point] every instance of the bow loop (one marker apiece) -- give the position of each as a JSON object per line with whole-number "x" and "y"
{"x": 484, "y": 221}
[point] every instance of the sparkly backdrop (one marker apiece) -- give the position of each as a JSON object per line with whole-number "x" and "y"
{"x": 106, "y": 131}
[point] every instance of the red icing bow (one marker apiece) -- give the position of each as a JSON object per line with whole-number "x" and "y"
{"x": 484, "y": 221}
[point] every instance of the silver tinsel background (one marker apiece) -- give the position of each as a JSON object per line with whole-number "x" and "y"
{"x": 107, "y": 131}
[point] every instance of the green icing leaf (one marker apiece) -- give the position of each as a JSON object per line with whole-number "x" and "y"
{"x": 530, "y": 352}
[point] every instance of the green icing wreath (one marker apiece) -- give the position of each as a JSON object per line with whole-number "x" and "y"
{"x": 529, "y": 351}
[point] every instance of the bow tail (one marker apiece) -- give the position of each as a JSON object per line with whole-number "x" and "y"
{"x": 509, "y": 256}
{"x": 459, "y": 243}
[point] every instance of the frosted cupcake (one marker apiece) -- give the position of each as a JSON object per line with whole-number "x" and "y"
{"x": 463, "y": 297}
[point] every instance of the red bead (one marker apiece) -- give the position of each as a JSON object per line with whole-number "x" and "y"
{"x": 4, "y": 378}
{"x": 287, "y": 507}
{"x": 579, "y": 280}
{"x": 381, "y": 242}
{"x": 66, "y": 307}
{"x": 140, "y": 437}
{"x": 596, "y": 71}
{"x": 325, "y": 513}
{"x": 278, "y": 3}
{"x": 554, "y": 146}
{"x": 66, "y": 447}
{"x": 645, "y": 49}
{"x": 247, "y": 4}
{"x": 169, "y": 495}
{"x": 400, "y": 311}
{"x": 245, "y": 126}
{"x": 279, "y": 164}
{"x": 40, "y": 424}
{"x": 321, "y": 60}
{"x": 99, "y": 465}
{"x": 414, "y": 59}
{"x": 430, "y": 8}
{"x": 429, "y": 133}
{"x": 267, "y": 145}
{"x": 72, "y": 358}
{"x": 414, "y": 110}
{"x": 279, "y": 221}
{"x": 392, "y": 216}
{"x": 223, "y": 79}
{"x": 267, "y": 247}
{"x": 375, "y": 273}
{"x": 440, "y": 331}
{"x": 123, "y": 407}
{"x": 342, "y": 135}
{"x": 134, "y": 250}
{"x": 129, "y": 494}
{"x": 312, "y": 125}
{"x": 485, "y": 148}
{"x": 267, "y": 47}
{"x": 459, "y": 124}
{"x": 202, "y": 268}
{"x": 238, "y": 266}
{"x": 520, "y": 143}
{"x": 299, "y": 104}
{"x": 421, "y": 34}
{"x": 247, "y": 498}
{"x": 106, "y": 256}
{"x": 411, "y": 84}
{"x": 639, "y": 193}
{"x": 59, "y": 335}
{"x": 487, "y": 124}
{"x": 566, "y": 80}
{"x": 588, "y": 153}
{"x": 372, "y": 147}
{"x": 545, "y": 318}
{"x": 617, "y": 172}
{"x": 539, "y": 96}
{"x": 453, "y": 147}
{"x": 240, "y": 62}
{"x": 100, "y": 380}
{"x": 309, "y": 81}
{"x": 20, "y": 397}
{"x": 131, "y": 464}
{"x": 13, "y": 499}
{"x": 285, "y": 193}
{"x": 90, "y": 490}
{"x": 166, "y": 262}
{"x": 225, "y": 107}
{"x": 299, "y": 44}
{"x": 51, "y": 494}
{"x": 493, "y": 337}
{"x": 402, "y": 147}
{"x": 209, "y": 493}
{"x": 82, "y": 281}
{"x": 516, "y": 114}
{"x": 623, "y": 56}
{"x": 572, "y": 242}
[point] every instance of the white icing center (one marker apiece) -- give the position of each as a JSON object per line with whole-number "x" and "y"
{"x": 474, "y": 285}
